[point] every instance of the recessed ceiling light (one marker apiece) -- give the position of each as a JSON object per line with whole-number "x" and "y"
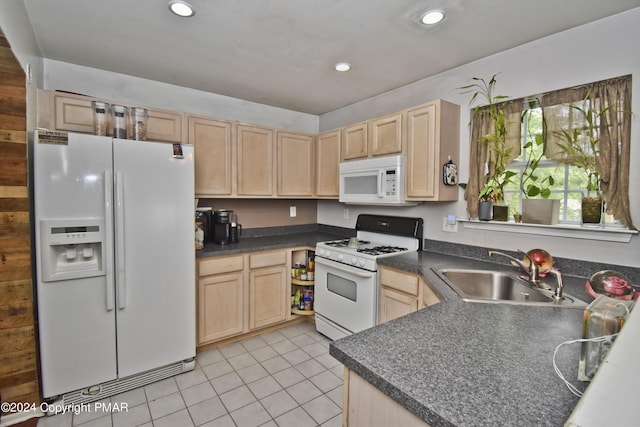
{"x": 431, "y": 17}
{"x": 181, "y": 8}
{"x": 342, "y": 66}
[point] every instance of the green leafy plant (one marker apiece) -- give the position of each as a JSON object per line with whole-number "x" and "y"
{"x": 500, "y": 154}
{"x": 581, "y": 144}
{"x": 533, "y": 183}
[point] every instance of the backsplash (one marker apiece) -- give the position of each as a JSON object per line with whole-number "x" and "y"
{"x": 303, "y": 228}
{"x": 567, "y": 266}
{"x": 266, "y": 213}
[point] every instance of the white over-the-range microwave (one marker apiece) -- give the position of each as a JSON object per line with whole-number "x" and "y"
{"x": 374, "y": 181}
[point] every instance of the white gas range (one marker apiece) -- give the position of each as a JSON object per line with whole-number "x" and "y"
{"x": 346, "y": 284}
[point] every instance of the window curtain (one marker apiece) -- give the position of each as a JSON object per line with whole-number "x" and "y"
{"x": 614, "y": 132}
{"x": 481, "y": 164}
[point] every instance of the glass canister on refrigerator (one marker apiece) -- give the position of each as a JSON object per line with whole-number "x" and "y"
{"x": 139, "y": 118}
{"x": 100, "y": 117}
{"x": 120, "y": 121}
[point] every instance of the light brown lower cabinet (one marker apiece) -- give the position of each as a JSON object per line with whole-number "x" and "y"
{"x": 268, "y": 297}
{"x": 402, "y": 293}
{"x": 220, "y": 298}
{"x": 366, "y": 406}
{"x": 240, "y": 293}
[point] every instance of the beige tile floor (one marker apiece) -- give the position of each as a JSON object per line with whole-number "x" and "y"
{"x": 281, "y": 378}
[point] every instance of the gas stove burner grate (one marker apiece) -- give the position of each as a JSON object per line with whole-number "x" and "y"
{"x": 345, "y": 243}
{"x": 379, "y": 250}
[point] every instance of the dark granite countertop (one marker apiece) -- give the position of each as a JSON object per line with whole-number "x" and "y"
{"x": 460, "y": 363}
{"x": 265, "y": 243}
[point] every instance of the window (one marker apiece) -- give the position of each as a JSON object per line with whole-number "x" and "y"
{"x": 568, "y": 181}
{"x": 555, "y": 118}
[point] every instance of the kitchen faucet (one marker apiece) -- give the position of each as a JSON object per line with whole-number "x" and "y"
{"x": 559, "y": 284}
{"x": 533, "y": 270}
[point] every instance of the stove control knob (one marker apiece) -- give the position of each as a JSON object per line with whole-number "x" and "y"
{"x": 361, "y": 263}
{"x": 320, "y": 252}
{"x": 340, "y": 257}
{"x": 353, "y": 261}
{"x": 328, "y": 254}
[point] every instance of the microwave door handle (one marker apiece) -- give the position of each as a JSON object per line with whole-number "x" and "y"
{"x": 381, "y": 183}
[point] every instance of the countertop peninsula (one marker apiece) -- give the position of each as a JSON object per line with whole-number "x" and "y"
{"x": 460, "y": 363}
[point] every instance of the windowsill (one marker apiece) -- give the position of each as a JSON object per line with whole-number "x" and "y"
{"x": 619, "y": 235}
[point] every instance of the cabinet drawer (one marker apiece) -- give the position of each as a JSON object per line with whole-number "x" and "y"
{"x": 267, "y": 259}
{"x": 214, "y": 265}
{"x": 407, "y": 283}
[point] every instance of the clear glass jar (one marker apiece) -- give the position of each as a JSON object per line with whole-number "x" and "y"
{"x": 139, "y": 118}
{"x": 100, "y": 118}
{"x": 119, "y": 120}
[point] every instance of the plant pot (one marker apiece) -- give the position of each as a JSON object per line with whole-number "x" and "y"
{"x": 592, "y": 203}
{"x": 485, "y": 211}
{"x": 500, "y": 212}
{"x": 541, "y": 211}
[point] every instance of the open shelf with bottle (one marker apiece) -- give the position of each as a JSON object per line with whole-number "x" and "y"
{"x": 302, "y": 281}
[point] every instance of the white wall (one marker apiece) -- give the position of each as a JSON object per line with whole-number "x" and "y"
{"x": 592, "y": 52}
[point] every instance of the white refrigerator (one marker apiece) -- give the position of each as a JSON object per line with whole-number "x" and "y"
{"x": 115, "y": 265}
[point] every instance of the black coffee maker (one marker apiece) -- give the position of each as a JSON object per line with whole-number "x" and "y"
{"x": 222, "y": 226}
{"x": 225, "y": 228}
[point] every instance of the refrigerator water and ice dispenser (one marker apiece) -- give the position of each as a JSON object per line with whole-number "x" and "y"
{"x": 72, "y": 249}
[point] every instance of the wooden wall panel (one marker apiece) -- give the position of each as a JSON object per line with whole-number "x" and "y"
{"x": 18, "y": 360}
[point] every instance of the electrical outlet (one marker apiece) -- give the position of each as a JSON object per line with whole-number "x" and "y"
{"x": 450, "y": 224}
{"x": 345, "y": 213}
{"x": 292, "y": 211}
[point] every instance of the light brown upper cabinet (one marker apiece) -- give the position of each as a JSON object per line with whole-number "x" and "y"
{"x": 386, "y": 134}
{"x": 433, "y": 136}
{"x": 295, "y": 164}
{"x": 72, "y": 113}
{"x": 380, "y": 136}
{"x": 327, "y": 164}
{"x": 355, "y": 141}
{"x": 213, "y": 145}
{"x": 255, "y": 165}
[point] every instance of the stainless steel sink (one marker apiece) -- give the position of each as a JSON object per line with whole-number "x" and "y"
{"x": 501, "y": 287}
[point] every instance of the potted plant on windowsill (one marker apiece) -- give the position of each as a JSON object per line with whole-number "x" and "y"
{"x": 492, "y": 194}
{"x": 537, "y": 207}
{"x": 581, "y": 147}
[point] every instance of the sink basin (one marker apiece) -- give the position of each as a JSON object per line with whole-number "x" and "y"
{"x": 501, "y": 287}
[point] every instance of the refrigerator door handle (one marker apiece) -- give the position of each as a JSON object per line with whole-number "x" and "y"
{"x": 108, "y": 207}
{"x": 119, "y": 238}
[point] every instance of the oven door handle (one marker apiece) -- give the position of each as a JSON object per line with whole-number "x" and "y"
{"x": 339, "y": 266}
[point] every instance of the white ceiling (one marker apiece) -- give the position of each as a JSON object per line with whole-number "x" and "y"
{"x": 281, "y": 52}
